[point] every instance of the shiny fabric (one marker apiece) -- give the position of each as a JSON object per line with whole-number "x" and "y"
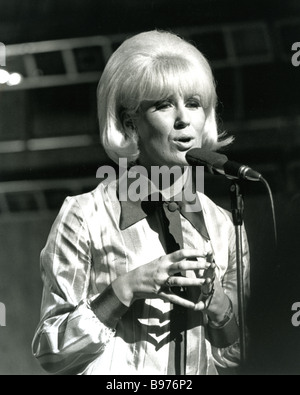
{"x": 85, "y": 251}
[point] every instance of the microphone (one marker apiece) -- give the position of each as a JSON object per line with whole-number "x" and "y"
{"x": 217, "y": 163}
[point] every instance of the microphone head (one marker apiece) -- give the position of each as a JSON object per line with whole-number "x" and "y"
{"x": 203, "y": 157}
{"x": 217, "y": 163}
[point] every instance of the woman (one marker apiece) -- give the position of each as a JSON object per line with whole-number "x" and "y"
{"x": 132, "y": 287}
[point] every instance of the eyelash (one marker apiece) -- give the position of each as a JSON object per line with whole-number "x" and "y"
{"x": 162, "y": 105}
{"x": 194, "y": 103}
{"x": 190, "y": 103}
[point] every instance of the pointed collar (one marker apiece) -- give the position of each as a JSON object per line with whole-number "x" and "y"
{"x": 132, "y": 210}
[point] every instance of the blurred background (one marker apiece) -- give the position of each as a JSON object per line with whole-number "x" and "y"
{"x": 49, "y": 144}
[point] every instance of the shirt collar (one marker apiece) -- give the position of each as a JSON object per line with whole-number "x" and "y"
{"x": 132, "y": 211}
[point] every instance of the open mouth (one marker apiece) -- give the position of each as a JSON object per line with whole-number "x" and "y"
{"x": 184, "y": 139}
{"x": 184, "y": 143}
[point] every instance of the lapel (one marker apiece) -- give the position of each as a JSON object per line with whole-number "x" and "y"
{"x": 132, "y": 211}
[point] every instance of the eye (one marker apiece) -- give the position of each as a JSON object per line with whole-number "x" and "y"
{"x": 193, "y": 103}
{"x": 162, "y": 105}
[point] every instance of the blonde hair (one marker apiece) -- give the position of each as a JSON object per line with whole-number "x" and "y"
{"x": 148, "y": 66}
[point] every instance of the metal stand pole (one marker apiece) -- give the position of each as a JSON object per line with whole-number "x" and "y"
{"x": 237, "y": 207}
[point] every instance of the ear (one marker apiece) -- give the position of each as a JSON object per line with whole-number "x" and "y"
{"x": 127, "y": 123}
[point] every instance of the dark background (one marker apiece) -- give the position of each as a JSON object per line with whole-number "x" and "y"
{"x": 49, "y": 145}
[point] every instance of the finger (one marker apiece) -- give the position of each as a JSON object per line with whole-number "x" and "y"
{"x": 203, "y": 272}
{"x": 209, "y": 274}
{"x": 186, "y": 253}
{"x": 173, "y": 298}
{"x": 204, "y": 261}
{"x": 199, "y": 306}
{"x": 181, "y": 266}
{"x": 199, "y": 273}
{"x": 207, "y": 286}
{"x": 180, "y": 281}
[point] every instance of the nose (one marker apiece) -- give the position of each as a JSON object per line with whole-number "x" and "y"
{"x": 182, "y": 118}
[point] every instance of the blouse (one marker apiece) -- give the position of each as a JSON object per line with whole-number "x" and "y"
{"x": 86, "y": 251}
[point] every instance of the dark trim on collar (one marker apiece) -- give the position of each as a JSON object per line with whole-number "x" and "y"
{"x": 132, "y": 212}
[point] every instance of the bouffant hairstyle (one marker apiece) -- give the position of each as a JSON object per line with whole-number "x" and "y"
{"x": 150, "y": 66}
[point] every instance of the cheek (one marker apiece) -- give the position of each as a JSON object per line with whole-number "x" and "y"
{"x": 159, "y": 124}
{"x": 200, "y": 119}
{"x": 199, "y": 124}
{"x": 154, "y": 130}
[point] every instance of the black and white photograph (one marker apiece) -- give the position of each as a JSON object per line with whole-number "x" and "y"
{"x": 149, "y": 190}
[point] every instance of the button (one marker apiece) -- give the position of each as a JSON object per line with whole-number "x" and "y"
{"x": 172, "y": 206}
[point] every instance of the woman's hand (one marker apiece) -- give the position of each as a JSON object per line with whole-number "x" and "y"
{"x": 149, "y": 281}
{"x": 157, "y": 278}
{"x": 216, "y": 304}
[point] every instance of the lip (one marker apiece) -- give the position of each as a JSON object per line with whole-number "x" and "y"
{"x": 184, "y": 143}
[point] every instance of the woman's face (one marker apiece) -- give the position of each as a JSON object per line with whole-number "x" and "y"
{"x": 167, "y": 129}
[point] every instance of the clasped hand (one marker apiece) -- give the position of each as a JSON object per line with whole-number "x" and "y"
{"x": 157, "y": 278}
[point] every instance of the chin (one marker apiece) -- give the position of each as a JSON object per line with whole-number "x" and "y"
{"x": 174, "y": 159}
{"x": 181, "y": 160}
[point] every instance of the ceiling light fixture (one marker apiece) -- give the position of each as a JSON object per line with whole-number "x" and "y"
{"x": 4, "y": 76}
{"x": 14, "y": 79}
{"x": 10, "y": 79}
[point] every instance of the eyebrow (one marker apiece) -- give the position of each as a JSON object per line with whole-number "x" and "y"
{"x": 149, "y": 102}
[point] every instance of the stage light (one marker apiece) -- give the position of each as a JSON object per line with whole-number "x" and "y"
{"x": 4, "y": 76}
{"x": 14, "y": 79}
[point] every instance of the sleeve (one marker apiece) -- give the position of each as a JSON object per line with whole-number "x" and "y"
{"x": 70, "y": 334}
{"x": 229, "y": 357}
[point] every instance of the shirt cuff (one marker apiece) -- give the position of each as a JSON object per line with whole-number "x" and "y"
{"x": 108, "y": 308}
{"x": 222, "y": 336}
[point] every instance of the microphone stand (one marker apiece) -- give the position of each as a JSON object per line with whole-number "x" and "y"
{"x": 237, "y": 207}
